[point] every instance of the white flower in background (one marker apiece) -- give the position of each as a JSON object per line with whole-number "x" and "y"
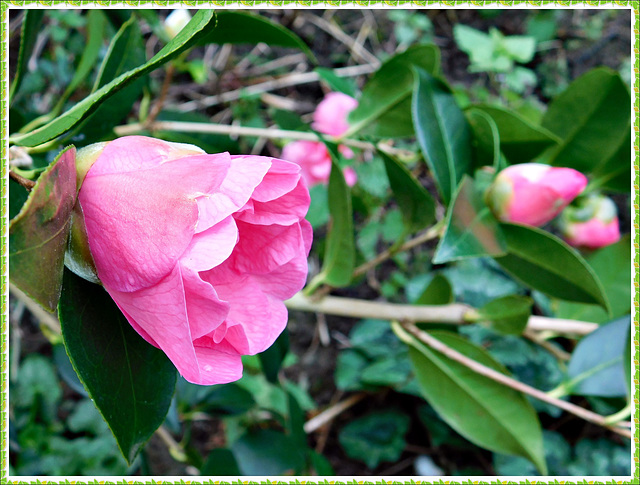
{"x": 176, "y": 21}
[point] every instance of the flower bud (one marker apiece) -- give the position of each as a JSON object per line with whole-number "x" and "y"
{"x": 330, "y": 116}
{"x": 591, "y": 223}
{"x": 315, "y": 161}
{"x": 533, "y": 193}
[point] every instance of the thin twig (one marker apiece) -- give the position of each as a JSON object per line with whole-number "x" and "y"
{"x": 330, "y": 413}
{"x": 447, "y": 351}
{"x": 453, "y": 314}
{"x": 548, "y": 346}
{"x": 175, "y": 449}
{"x": 294, "y": 79}
{"x": 159, "y": 104}
{"x": 25, "y": 182}
{"x": 45, "y": 318}
{"x": 234, "y": 130}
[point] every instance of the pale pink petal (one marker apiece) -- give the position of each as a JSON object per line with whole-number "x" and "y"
{"x": 568, "y": 183}
{"x": 330, "y": 116}
{"x": 533, "y": 205}
{"x": 285, "y": 281}
{"x": 346, "y": 151}
{"x": 133, "y": 153}
{"x": 313, "y": 158}
{"x": 205, "y": 310}
{"x": 139, "y": 224}
{"x": 593, "y": 233}
{"x": 244, "y": 175}
{"x": 217, "y": 367}
{"x": 350, "y": 176}
{"x": 209, "y": 248}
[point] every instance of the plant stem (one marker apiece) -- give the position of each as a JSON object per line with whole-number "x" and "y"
{"x": 330, "y": 413}
{"x": 447, "y": 351}
{"x": 25, "y": 182}
{"x": 453, "y": 314}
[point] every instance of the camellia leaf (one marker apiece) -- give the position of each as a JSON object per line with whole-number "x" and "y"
{"x": 416, "y": 204}
{"x": 200, "y": 22}
{"x": 597, "y": 366}
{"x": 546, "y": 263}
{"x": 38, "y": 235}
{"x": 612, "y": 265}
{"x": 340, "y": 249}
{"x": 486, "y": 138}
{"x": 443, "y": 132}
{"x": 236, "y": 27}
{"x": 482, "y": 410}
{"x": 438, "y": 292}
{"x": 268, "y": 452}
{"x": 220, "y": 462}
{"x": 626, "y": 362}
{"x": 389, "y": 89}
{"x": 130, "y": 381}
{"x": 507, "y": 315}
{"x": 520, "y": 141}
{"x": 471, "y": 229}
{"x": 615, "y": 172}
{"x": 271, "y": 359}
{"x": 335, "y": 82}
{"x": 31, "y": 26}
{"x": 591, "y": 117}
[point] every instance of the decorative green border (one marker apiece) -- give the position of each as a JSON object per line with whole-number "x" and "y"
{"x": 4, "y": 81}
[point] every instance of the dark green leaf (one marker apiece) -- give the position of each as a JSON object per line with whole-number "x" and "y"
{"x": 200, "y": 21}
{"x": 439, "y": 292}
{"x": 376, "y": 437}
{"x": 220, "y": 462}
{"x": 486, "y": 136}
{"x": 482, "y": 410}
{"x": 130, "y": 381}
{"x": 38, "y": 234}
{"x": 520, "y": 140}
{"x": 65, "y": 369}
{"x": 612, "y": 266}
{"x": 596, "y": 367}
{"x": 443, "y": 132}
{"x": 626, "y": 362}
{"x": 268, "y": 452}
{"x": 471, "y": 229}
{"x": 126, "y": 52}
{"x": 18, "y": 196}
{"x": 340, "y": 251}
{"x": 591, "y": 117}
{"x": 547, "y": 264}
{"x": 390, "y": 86}
{"x": 507, "y": 315}
{"x": 31, "y": 26}
{"x": 337, "y": 83}
{"x": 321, "y": 465}
{"x": 248, "y": 28}
{"x": 295, "y": 422}
{"x": 271, "y": 359}
{"x": 615, "y": 172}
{"x": 416, "y": 205}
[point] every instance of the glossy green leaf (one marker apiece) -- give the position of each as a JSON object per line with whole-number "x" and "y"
{"x": 471, "y": 230}
{"x": 220, "y": 462}
{"x": 126, "y": 52}
{"x": 615, "y": 172}
{"x": 238, "y": 27}
{"x": 438, "y": 292}
{"x": 200, "y": 22}
{"x": 337, "y": 83}
{"x": 482, "y": 410}
{"x": 443, "y": 132}
{"x": 31, "y": 26}
{"x": 96, "y": 23}
{"x": 38, "y": 235}
{"x": 268, "y": 452}
{"x": 626, "y": 362}
{"x": 416, "y": 204}
{"x": 520, "y": 140}
{"x": 486, "y": 138}
{"x": 130, "y": 381}
{"x": 507, "y": 315}
{"x": 545, "y": 263}
{"x": 390, "y": 87}
{"x": 340, "y": 249}
{"x": 376, "y": 437}
{"x": 295, "y": 421}
{"x": 612, "y": 266}
{"x": 591, "y": 117}
{"x": 597, "y": 365}
{"x": 271, "y": 359}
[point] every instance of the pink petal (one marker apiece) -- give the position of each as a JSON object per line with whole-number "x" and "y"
{"x": 285, "y": 210}
{"x": 132, "y": 153}
{"x": 217, "y": 367}
{"x": 285, "y": 281}
{"x": 593, "y": 233}
{"x": 568, "y": 183}
{"x": 533, "y": 205}
{"x": 244, "y": 175}
{"x": 205, "y": 310}
{"x": 140, "y": 223}
{"x": 281, "y": 179}
{"x": 330, "y": 116}
{"x": 211, "y": 247}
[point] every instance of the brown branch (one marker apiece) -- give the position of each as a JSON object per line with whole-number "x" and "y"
{"x": 159, "y": 104}
{"x": 25, "y": 182}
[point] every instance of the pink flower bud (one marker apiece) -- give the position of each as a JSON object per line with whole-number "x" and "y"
{"x": 592, "y": 223}
{"x": 198, "y": 251}
{"x": 331, "y": 114}
{"x": 315, "y": 161}
{"x": 533, "y": 193}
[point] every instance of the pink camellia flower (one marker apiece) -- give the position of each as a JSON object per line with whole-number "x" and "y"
{"x": 592, "y": 223}
{"x": 533, "y": 193}
{"x": 330, "y": 116}
{"x": 315, "y": 161}
{"x": 198, "y": 251}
